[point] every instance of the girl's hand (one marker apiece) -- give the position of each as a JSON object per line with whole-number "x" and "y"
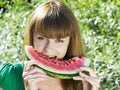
{"x": 33, "y": 75}
{"x": 91, "y": 81}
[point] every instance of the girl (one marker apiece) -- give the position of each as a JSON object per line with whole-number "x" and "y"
{"x": 53, "y": 31}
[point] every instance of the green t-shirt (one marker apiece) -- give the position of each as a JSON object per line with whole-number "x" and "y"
{"x": 11, "y": 76}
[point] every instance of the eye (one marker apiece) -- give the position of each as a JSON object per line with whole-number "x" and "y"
{"x": 59, "y": 40}
{"x": 40, "y": 38}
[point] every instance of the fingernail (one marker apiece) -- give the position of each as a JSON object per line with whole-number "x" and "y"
{"x": 28, "y": 68}
{"x": 31, "y": 67}
{"x": 81, "y": 70}
{"x": 77, "y": 78}
{"x": 82, "y": 74}
{"x": 74, "y": 77}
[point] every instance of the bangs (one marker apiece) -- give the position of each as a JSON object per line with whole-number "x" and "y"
{"x": 53, "y": 25}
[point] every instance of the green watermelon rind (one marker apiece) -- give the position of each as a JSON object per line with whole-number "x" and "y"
{"x": 56, "y": 75}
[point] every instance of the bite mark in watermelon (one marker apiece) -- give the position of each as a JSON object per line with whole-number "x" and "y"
{"x": 64, "y": 69}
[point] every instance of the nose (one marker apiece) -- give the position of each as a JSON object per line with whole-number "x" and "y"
{"x": 48, "y": 47}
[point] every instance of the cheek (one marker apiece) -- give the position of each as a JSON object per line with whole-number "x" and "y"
{"x": 65, "y": 48}
{"x": 39, "y": 45}
{"x": 62, "y": 52}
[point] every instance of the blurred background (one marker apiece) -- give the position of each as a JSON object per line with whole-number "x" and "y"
{"x": 99, "y": 22}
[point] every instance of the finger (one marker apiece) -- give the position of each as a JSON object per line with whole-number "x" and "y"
{"x": 87, "y": 76}
{"x": 33, "y": 71}
{"x": 35, "y": 77}
{"x": 91, "y": 72}
{"x": 83, "y": 75}
{"x": 78, "y": 78}
{"x": 28, "y": 77}
{"x": 32, "y": 83}
{"x": 29, "y": 64}
{"x": 93, "y": 81}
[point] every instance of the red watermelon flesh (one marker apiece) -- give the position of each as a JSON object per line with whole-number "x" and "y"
{"x": 53, "y": 65}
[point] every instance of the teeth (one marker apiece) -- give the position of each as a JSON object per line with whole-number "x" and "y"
{"x": 51, "y": 56}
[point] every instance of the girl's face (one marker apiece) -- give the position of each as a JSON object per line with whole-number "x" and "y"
{"x": 51, "y": 47}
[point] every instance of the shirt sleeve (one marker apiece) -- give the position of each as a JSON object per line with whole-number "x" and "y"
{"x": 4, "y": 71}
{"x": 11, "y": 76}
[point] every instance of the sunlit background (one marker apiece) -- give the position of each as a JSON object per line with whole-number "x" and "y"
{"x": 99, "y": 22}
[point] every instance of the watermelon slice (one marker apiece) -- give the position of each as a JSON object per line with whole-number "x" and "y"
{"x": 64, "y": 69}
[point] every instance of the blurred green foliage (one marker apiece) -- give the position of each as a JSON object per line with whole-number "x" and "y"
{"x": 99, "y": 22}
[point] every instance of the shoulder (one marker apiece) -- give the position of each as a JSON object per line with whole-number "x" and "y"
{"x": 9, "y": 67}
{"x": 11, "y": 72}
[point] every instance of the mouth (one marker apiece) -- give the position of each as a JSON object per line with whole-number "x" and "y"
{"x": 52, "y": 57}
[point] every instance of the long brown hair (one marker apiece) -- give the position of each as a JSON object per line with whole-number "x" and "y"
{"x": 54, "y": 19}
